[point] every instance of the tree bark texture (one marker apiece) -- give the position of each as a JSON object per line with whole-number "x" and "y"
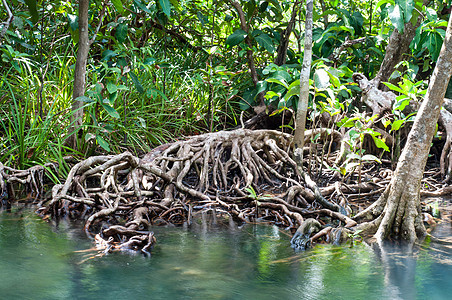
{"x": 398, "y": 209}
{"x": 80, "y": 70}
{"x": 398, "y": 46}
{"x": 302, "y": 107}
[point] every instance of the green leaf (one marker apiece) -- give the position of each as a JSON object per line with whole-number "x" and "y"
{"x": 73, "y": 21}
{"x": 142, "y": 6}
{"x": 137, "y": 83}
{"x": 396, "y": 17}
{"x": 334, "y": 79}
{"x": 84, "y": 99}
{"x": 407, "y": 7}
{"x": 431, "y": 14}
{"x": 261, "y": 86}
{"x": 236, "y": 38}
{"x": 381, "y": 2}
{"x": 380, "y": 143}
{"x": 354, "y": 135}
{"x": 121, "y": 32}
{"x": 402, "y": 102}
{"x": 111, "y": 87}
{"x": 397, "y": 124}
{"x": 385, "y": 122}
{"x": 433, "y": 43}
{"x": 73, "y": 27}
{"x": 166, "y": 7}
{"x": 266, "y": 42}
{"x": 103, "y": 143}
{"x": 347, "y": 122}
{"x": 89, "y": 136}
{"x": 153, "y": 92}
{"x": 112, "y": 97}
{"x": 201, "y": 18}
{"x": 294, "y": 90}
{"x": 278, "y": 81}
{"x": 263, "y": 6}
{"x": 118, "y": 5}
{"x": 271, "y": 94}
{"x": 108, "y": 54}
{"x": 394, "y": 87}
{"x": 110, "y": 110}
{"x": 142, "y": 122}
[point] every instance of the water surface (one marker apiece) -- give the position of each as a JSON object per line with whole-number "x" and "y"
{"x": 40, "y": 261}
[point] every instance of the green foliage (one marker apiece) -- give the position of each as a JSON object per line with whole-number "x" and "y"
{"x": 28, "y": 139}
{"x": 429, "y": 36}
{"x": 163, "y": 69}
{"x": 361, "y": 127}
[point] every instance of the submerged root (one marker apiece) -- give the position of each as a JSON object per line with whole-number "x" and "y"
{"x": 246, "y": 174}
{"x": 32, "y": 179}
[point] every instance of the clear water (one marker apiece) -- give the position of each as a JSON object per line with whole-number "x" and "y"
{"x": 39, "y": 261}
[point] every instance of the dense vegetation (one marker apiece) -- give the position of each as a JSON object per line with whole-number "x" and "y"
{"x": 164, "y": 69}
{"x": 161, "y": 70}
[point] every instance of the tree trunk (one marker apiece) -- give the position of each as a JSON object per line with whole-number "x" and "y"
{"x": 302, "y": 107}
{"x": 80, "y": 72}
{"x": 281, "y": 53}
{"x": 398, "y": 211}
{"x": 398, "y": 46}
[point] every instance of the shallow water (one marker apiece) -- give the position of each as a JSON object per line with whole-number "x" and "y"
{"x": 39, "y": 261}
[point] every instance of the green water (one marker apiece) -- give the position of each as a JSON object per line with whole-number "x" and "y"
{"x": 40, "y": 261}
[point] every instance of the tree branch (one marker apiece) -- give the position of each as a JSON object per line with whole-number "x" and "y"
{"x": 345, "y": 45}
{"x": 285, "y": 35}
{"x": 8, "y": 21}
{"x": 249, "y": 52}
{"x": 176, "y": 35}
{"x": 101, "y": 18}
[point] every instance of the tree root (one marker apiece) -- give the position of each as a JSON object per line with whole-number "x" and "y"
{"x": 446, "y": 155}
{"x": 243, "y": 175}
{"x": 120, "y": 196}
{"x": 32, "y": 179}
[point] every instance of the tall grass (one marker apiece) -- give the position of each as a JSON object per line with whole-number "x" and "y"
{"x": 177, "y": 90}
{"x": 173, "y": 102}
{"x": 28, "y": 135}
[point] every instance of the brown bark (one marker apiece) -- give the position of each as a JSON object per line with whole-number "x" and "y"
{"x": 80, "y": 71}
{"x": 398, "y": 46}
{"x": 398, "y": 209}
{"x": 285, "y": 36}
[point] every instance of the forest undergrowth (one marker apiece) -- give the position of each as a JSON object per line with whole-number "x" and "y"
{"x": 241, "y": 176}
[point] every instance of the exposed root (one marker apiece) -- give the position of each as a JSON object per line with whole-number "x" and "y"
{"x": 120, "y": 196}
{"x": 446, "y": 153}
{"x": 32, "y": 179}
{"x": 246, "y": 176}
